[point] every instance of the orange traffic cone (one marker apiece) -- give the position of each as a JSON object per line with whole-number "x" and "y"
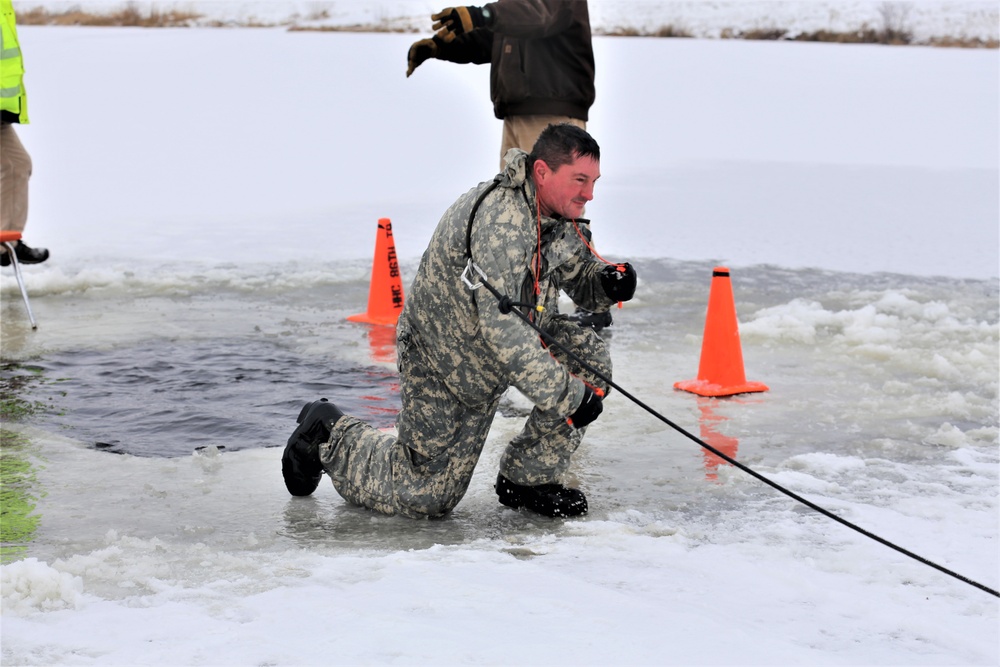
{"x": 720, "y": 372}
{"x": 385, "y": 295}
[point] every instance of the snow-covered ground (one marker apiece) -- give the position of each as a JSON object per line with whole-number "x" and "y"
{"x": 926, "y": 19}
{"x": 210, "y": 207}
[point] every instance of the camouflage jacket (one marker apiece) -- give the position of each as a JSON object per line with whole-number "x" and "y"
{"x": 477, "y": 351}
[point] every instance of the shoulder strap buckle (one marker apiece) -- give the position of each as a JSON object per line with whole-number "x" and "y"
{"x": 467, "y": 275}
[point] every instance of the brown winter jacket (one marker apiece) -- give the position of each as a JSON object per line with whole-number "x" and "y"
{"x": 540, "y": 54}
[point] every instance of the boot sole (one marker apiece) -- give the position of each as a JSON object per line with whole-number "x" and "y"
{"x": 296, "y": 484}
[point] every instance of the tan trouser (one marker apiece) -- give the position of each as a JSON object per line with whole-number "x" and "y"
{"x": 522, "y": 131}
{"x": 15, "y": 170}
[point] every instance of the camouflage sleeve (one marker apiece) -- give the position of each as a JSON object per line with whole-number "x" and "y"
{"x": 503, "y": 244}
{"x": 582, "y": 283}
{"x": 577, "y": 271}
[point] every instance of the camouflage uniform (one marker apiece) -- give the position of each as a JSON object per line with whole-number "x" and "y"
{"x": 458, "y": 354}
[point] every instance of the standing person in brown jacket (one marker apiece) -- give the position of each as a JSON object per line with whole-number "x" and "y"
{"x": 541, "y": 70}
{"x": 540, "y": 55}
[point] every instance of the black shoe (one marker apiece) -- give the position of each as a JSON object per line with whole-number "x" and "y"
{"x": 25, "y": 254}
{"x": 300, "y": 464}
{"x": 595, "y": 321}
{"x": 553, "y": 500}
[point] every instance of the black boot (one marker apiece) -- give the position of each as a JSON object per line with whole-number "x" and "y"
{"x": 300, "y": 464}
{"x": 553, "y": 500}
{"x": 25, "y": 254}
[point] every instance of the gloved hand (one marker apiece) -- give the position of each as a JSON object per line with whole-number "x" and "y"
{"x": 453, "y": 21}
{"x": 420, "y": 51}
{"x": 589, "y": 409}
{"x": 618, "y": 281}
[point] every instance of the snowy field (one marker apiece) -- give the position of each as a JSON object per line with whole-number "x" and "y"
{"x": 926, "y": 19}
{"x": 211, "y": 208}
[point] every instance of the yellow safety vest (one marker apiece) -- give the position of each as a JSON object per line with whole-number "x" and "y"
{"x": 13, "y": 97}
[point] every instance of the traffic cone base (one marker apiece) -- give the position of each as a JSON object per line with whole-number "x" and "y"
{"x": 720, "y": 372}
{"x": 385, "y": 294}
{"x": 706, "y": 388}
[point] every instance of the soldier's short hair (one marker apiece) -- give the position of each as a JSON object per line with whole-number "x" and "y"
{"x": 561, "y": 143}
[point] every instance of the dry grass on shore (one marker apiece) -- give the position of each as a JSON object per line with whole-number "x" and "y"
{"x": 893, "y": 31}
{"x": 129, "y": 16}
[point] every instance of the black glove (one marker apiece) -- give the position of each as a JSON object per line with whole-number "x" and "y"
{"x": 454, "y": 21}
{"x": 590, "y": 408}
{"x": 618, "y": 281}
{"x": 420, "y": 51}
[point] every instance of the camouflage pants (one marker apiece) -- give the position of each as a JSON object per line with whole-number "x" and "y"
{"x": 426, "y": 469}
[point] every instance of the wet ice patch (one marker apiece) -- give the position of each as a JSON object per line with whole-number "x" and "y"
{"x": 112, "y": 278}
{"x": 887, "y": 316}
{"x": 948, "y": 436}
{"x": 796, "y": 321}
{"x": 209, "y": 458}
{"x": 826, "y": 464}
{"x": 912, "y": 337}
{"x": 31, "y": 586}
{"x": 802, "y": 482}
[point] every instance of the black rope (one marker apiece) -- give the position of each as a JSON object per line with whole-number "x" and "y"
{"x": 472, "y": 214}
{"x": 506, "y": 305}
{"x": 506, "y": 302}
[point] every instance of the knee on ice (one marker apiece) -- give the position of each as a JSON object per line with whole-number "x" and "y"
{"x": 426, "y": 507}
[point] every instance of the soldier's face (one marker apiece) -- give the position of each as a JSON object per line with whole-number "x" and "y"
{"x": 566, "y": 190}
